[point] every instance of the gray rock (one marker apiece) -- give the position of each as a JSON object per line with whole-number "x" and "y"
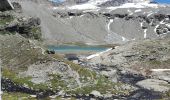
{"x": 96, "y": 93}
{"x": 154, "y": 84}
{"x": 162, "y": 75}
{"x": 112, "y": 74}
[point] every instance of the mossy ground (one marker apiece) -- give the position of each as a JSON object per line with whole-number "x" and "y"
{"x": 6, "y": 19}
{"x": 157, "y": 64}
{"x": 7, "y": 32}
{"x": 7, "y": 73}
{"x": 36, "y": 32}
{"x": 92, "y": 80}
{"x": 16, "y": 96}
{"x": 97, "y": 82}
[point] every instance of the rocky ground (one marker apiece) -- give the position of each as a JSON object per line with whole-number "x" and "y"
{"x": 139, "y": 63}
{"x": 29, "y": 72}
{"x": 131, "y": 71}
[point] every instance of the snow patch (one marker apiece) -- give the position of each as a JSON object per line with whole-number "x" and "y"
{"x": 150, "y": 13}
{"x": 83, "y": 7}
{"x": 108, "y": 26}
{"x": 124, "y": 39}
{"x": 97, "y": 2}
{"x": 159, "y": 70}
{"x": 130, "y": 12}
{"x": 93, "y": 4}
{"x": 139, "y": 10}
{"x": 141, "y": 24}
{"x": 162, "y": 22}
{"x": 156, "y": 28}
{"x": 135, "y": 5}
{"x": 145, "y": 33}
{"x": 168, "y": 25}
{"x": 97, "y": 54}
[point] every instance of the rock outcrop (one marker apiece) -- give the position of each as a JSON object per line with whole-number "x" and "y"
{"x": 27, "y": 27}
{"x": 155, "y": 85}
{"x": 5, "y": 5}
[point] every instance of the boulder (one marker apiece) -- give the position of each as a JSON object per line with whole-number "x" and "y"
{"x": 96, "y": 93}
{"x": 154, "y": 85}
{"x": 162, "y": 75}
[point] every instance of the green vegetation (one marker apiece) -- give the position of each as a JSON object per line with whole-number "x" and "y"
{"x": 157, "y": 64}
{"x": 27, "y": 55}
{"x": 56, "y": 82}
{"x": 7, "y": 32}
{"x": 6, "y": 19}
{"x": 6, "y": 73}
{"x": 168, "y": 94}
{"x": 36, "y": 32}
{"x": 103, "y": 85}
{"x": 16, "y": 96}
{"x": 83, "y": 72}
{"x": 96, "y": 82}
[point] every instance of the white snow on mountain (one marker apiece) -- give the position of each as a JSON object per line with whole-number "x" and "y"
{"x": 93, "y": 4}
{"x": 97, "y": 2}
{"x": 83, "y": 7}
{"x": 135, "y": 5}
{"x": 126, "y": 5}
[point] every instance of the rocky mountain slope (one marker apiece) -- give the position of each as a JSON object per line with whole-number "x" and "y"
{"x": 137, "y": 69}
{"x": 143, "y": 63}
{"x": 99, "y": 25}
{"x": 29, "y": 72}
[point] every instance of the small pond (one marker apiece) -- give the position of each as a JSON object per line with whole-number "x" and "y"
{"x": 76, "y": 48}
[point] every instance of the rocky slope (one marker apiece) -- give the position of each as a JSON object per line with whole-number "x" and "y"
{"x": 143, "y": 63}
{"x": 137, "y": 69}
{"x": 99, "y": 25}
{"x": 29, "y": 72}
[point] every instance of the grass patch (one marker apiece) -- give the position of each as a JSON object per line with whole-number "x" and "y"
{"x": 6, "y": 73}
{"x": 16, "y": 96}
{"x": 103, "y": 85}
{"x": 7, "y": 32}
{"x": 155, "y": 62}
{"x": 83, "y": 72}
{"x": 97, "y": 82}
{"x": 6, "y": 19}
{"x": 36, "y": 32}
{"x": 56, "y": 82}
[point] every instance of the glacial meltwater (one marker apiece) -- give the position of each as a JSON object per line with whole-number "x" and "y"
{"x": 76, "y": 48}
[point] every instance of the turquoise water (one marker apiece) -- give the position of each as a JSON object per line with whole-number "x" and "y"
{"x": 67, "y": 48}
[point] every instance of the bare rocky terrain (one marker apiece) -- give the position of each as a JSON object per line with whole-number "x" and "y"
{"x": 100, "y": 25}
{"x": 136, "y": 69}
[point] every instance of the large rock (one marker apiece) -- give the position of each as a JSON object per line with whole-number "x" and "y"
{"x": 96, "y": 93}
{"x": 5, "y": 5}
{"x": 155, "y": 85}
{"x": 163, "y": 75}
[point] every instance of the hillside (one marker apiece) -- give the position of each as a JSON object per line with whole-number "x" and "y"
{"x": 136, "y": 67}
{"x": 101, "y": 25}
